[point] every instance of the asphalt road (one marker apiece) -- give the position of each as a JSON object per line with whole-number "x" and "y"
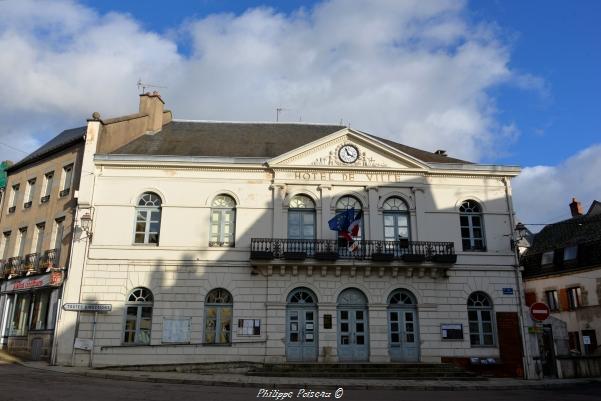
{"x": 20, "y": 383}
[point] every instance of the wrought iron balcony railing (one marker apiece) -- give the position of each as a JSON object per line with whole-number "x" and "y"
{"x": 49, "y": 259}
{"x": 15, "y": 265}
{"x": 31, "y": 263}
{"x": 382, "y": 251}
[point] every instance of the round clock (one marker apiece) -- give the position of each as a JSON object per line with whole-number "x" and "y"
{"x": 348, "y": 154}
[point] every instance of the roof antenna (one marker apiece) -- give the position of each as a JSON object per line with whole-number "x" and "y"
{"x": 278, "y": 110}
{"x": 142, "y": 86}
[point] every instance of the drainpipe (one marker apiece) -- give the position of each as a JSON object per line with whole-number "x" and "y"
{"x": 517, "y": 277}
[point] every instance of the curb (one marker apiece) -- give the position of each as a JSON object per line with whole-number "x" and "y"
{"x": 369, "y": 386}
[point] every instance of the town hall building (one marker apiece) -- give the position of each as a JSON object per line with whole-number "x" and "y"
{"x": 211, "y": 242}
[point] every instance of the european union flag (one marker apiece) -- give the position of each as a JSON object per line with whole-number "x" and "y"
{"x": 342, "y": 220}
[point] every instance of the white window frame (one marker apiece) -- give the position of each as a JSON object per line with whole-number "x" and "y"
{"x": 391, "y": 208}
{"x": 470, "y": 209}
{"x": 479, "y": 309}
{"x": 48, "y": 181}
{"x": 139, "y": 298}
{"x": 551, "y": 297}
{"x": 67, "y": 179}
{"x": 145, "y": 211}
{"x": 224, "y": 302}
{"x": 574, "y": 297}
{"x": 222, "y": 206}
{"x": 14, "y": 194}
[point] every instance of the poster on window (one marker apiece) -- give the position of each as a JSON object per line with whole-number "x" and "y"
{"x": 176, "y": 330}
{"x": 249, "y": 327}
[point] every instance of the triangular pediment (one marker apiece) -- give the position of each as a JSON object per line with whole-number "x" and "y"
{"x": 349, "y": 149}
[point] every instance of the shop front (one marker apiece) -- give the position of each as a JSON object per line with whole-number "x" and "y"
{"x": 29, "y": 309}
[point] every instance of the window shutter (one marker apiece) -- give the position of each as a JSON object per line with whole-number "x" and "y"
{"x": 530, "y": 298}
{"x": 563, "y": 299}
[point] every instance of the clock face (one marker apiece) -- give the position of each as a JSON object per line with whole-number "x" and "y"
{"x": 348, "y": 154}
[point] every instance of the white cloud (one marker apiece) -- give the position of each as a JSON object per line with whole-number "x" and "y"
{"x": 542, "y": 193}
{"x": 413, "y": 71}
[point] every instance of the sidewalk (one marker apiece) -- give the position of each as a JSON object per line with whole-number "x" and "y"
{"x": 239, "y": 380}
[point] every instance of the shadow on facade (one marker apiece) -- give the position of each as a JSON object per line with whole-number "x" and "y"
{"x": 220, "y": 304}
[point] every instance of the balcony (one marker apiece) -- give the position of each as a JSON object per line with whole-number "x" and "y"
{"x": 64, "y": 192}
{"x": 414, "y": 252}
{"x": 14, "y": 267}
{"x": 45, "y": 199}
{"x": 49, "y": 259}
{"x": 31, "y": 264}
{"x": 12, "y": 209}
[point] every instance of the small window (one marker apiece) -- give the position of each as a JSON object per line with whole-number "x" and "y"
{"x": 138, "y": 317}
{"x": 570, "y": 253}
{"x": 552, "y": 300}
{"x": 4, "y": 247}
{"x": 22, "y": 241}
{"x": 574, "y": 298}
{"x": 574, "y": 341}
{"x": 223, "y": 221}
{"x": 67, "y": 177}
{"x": 47, "y": 190}
{"x": 13, "y": 197}
{"x": 30, "y": 191}
{"x": 547, "y": 258}
{"x": 148, "y": 219}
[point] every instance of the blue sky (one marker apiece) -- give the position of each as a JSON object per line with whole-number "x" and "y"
{"x": 502, "y": 82}
{"x": 556, "y": 41}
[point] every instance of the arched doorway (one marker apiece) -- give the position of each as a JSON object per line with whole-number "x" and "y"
{"x": 301, "y": 326}
{"x": 353, "y": 326}
{"x": 403, "y": 330}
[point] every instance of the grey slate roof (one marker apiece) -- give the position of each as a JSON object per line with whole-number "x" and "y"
{"x": 59, "y": 142}
{"x": 227, "y": 139}
{"x": 565, "y": 233}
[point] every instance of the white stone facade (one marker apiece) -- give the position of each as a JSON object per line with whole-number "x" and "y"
{"x": 183, "y": 268}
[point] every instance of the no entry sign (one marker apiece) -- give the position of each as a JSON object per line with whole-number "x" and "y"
{"x": 539, "y": 311}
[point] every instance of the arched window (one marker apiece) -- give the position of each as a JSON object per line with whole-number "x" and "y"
{"x": 472, "y": 226}
{"x": 148, "y": 219}
{"x": 401, "y": 297}
{"x": 301, "y": 218}
{"x": 480, "y": 317}
{"x": 138, "y": 316}
{"x": 396, "y": 219}
{"x": 302, "y": 296}
{"x": 350, "y": 202}
{"x": 218, "y": 317}
{"x": 223, "y": 221}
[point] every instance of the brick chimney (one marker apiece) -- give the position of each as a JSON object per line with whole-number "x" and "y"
{"x": 152, "y": 104}
{"x": 576, "y": 208}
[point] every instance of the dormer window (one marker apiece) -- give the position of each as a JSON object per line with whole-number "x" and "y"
{"x": 570, "y": 253}
{"x": 547, "y": 258}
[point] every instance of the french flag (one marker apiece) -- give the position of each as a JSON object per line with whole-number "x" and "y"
{"x": 353, "y": 231}
{"x": 355, "y": 225}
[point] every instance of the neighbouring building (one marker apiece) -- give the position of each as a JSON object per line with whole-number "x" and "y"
{"x": 36, "y": 222}
{"x": 211, "y": 242}
{"x": 562, "y": 268}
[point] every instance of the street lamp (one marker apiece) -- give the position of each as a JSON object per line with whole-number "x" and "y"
{"x": 86, "y": 223}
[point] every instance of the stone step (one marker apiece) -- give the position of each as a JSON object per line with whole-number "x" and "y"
{"x": 370, "y": 375}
